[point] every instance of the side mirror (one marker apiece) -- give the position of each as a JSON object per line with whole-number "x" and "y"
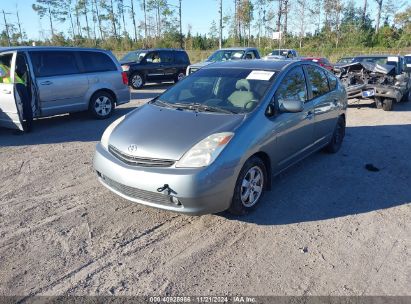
{"x": 270, "y": 111}
{"x": 291, "y": 106}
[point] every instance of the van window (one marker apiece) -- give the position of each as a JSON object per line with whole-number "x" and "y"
{"x": 97, "y": 62}
{"x": 54, "y": 63}
{"x": 318, "y": 80}
{"x": 181, "y": 57}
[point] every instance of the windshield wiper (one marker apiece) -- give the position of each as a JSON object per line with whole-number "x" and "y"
{"x": 161, "y": 103}
{"x": 199, "y": 107}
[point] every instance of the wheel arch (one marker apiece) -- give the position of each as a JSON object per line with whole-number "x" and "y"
{"x": 267, "y": 162}
{"x": 111, "y": 92}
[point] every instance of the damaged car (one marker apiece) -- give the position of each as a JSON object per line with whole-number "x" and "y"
{"x": 382, "y": 79}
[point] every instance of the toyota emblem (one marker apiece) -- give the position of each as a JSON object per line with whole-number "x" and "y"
{"x": 132, "y": 148}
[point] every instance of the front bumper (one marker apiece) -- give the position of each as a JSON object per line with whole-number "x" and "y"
{"x": 382, "y": 92}
{"x": 191, "y": 191}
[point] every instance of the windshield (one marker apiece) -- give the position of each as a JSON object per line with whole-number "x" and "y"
{"x": 380, "y": 60}
{"x": 279, "y": 52}
{"x": 134, "y": 56}
{"x": 218, "y": 90}
{"x": 407, "y": 59}
{"x": 344, "y": 60}
{"x": 224, "y": 55}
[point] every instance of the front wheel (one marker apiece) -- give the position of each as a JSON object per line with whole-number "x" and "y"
{"x": 136, "y": 81}
{"x": 338, "y": 136}
{"x": 101, "y": 105}
{"x": 249, "y": 187}
{"x": 180, "y": 76}
{"x": 387, "y": 105}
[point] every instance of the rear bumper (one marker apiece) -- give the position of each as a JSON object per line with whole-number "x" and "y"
{"x": 123, "y": 95}
{"x": 193, "y": 191}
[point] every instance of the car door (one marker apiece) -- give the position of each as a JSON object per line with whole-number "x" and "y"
{"x": 153, "y": 66}
{"x": 324, "y": 101}
{"x": 11, "y": 107}
{"x": 62, "y": 87}
{"x": 170, "y": 67}
{"x": 294, "y": 130}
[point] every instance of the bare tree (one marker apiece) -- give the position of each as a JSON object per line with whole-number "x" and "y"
{"x": 133, "y": 17}
{"x": 377, "y": 25}
{"x": 301, "y": 11}
{"x": 364, "y": 12}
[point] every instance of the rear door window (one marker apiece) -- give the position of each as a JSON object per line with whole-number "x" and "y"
{"x": 318, "y": 81}
{"x": 54, "y": 63}
{"x": 332, "y": 81}
{"x": 96, "y": 62}
{"x": 166, "y": 57}
{"x": 181, "y": 57}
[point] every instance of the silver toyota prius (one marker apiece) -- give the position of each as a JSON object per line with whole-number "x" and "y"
{"x": 214, "y": 141}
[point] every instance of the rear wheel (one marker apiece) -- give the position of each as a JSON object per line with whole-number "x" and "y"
{"x": 179, "y": 76}
{"x": 136, "y": 81}
{"x": 249, "y": 187}
{"x": 338, "y": 137}
{"x": 387, "y": 104}
{"x": 101, "y": 105}
{"x": 407, "y": 96}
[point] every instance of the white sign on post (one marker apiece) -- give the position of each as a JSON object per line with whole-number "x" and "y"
{"x": 277, "y": 35}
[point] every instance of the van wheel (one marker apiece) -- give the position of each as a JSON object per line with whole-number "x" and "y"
{"x": 136, "y": 81}
{"x": 180, "y": 76}
{"x": 101, "y": 105}
{"x": 249, "y": 187}
{"x": 338, "y": 136}
{"x": 387, "y": 105}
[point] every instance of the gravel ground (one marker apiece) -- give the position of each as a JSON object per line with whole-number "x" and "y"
{"x": 328, "y": 227}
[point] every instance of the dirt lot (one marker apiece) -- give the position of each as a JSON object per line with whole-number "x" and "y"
{"x": 328, "y": 227}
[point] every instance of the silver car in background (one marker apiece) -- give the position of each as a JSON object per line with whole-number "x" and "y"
{"x": 214, "y": 140}
{"x": 46, "y": 81}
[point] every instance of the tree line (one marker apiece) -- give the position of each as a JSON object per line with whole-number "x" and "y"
{"x": 113, "y": 24}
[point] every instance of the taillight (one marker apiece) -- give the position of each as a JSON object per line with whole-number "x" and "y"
{"x": 125, "y": 78}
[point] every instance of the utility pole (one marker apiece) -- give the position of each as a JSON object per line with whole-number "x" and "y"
{"x": 220, "y": 40}
{"x": 7, "y": 28}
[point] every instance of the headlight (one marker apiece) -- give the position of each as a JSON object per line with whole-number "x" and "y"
{"x": 109, "y": 130}
{"x": 125, "y": 68}
{"x": 206, "y": 151}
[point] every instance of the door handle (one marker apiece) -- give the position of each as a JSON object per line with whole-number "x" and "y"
{"x": 309, "y": 115}
{"x": 46, "y": 83}
{"x": 6, "y": 91}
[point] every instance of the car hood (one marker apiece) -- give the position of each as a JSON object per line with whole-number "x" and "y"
{"x": 369, "y": 66}
{"x": 201, "y": 64}
{"x": 164, "y": 133}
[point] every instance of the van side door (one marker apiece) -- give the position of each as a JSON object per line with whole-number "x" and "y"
{"x": 62, "y": 87}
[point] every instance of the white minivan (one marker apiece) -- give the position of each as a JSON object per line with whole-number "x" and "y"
{"x": 45, "y": 81}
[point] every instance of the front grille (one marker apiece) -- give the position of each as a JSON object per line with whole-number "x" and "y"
{"x": 139, "y": 161}
{"x": 147, "y": 196}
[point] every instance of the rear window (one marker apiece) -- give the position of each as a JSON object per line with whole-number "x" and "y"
{"x": 318, "y": 80}
{"x": 54, "y": 63}
{"x": 97, "y": 62}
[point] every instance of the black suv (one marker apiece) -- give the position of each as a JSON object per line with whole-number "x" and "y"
{"x": 154, "y": 65}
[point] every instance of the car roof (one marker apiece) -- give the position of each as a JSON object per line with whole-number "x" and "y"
{"x": 376, "y": 56}
{"x": 49, "y": 48}
{"x": 237, "y": 48}
{"x": 157, "y": 49}
{"x": 256, "y": 64}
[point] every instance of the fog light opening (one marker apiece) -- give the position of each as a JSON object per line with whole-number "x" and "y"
{"x": 175, "y": 201}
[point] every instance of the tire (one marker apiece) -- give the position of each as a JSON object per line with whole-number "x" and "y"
{"x": 241, "y": 204}
{"x": 407, "y": 96}
{"x": 101, "y": 105}
{"x": 378, "y": 103}
{"x": 338, "y": 137}
{"x": 179, "y": 76}
{"x": 136, "y": 81}
{"x": 387, "y": 104}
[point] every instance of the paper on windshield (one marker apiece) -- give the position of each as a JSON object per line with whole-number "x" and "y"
{"x": 260, "y": 75}
{"x": 392, "y": 59}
